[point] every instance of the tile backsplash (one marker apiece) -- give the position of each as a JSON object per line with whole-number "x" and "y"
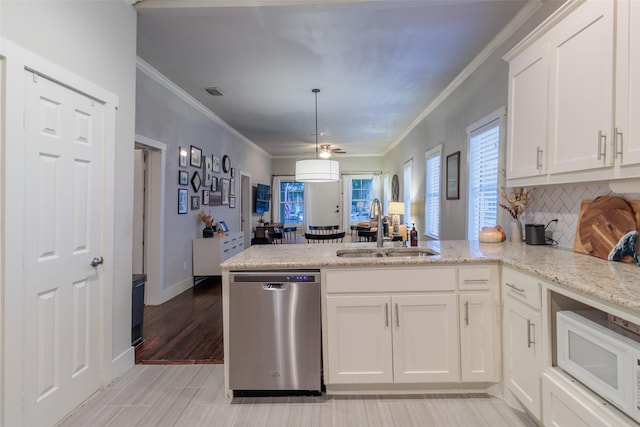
{"x": 562, "y": 202}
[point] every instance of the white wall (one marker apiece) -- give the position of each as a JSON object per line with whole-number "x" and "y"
{"x": 97, "y": 41}
{"x": 483, "y": 92}
{"x": 168, "y": 115}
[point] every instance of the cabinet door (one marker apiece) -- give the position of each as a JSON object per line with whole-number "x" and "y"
{"x": 523, "y": 353}
{"x": 581, "y": 89}
{"x": 477, "y": 338}
{"x": 359, "y": 339}
{"x": 528, "y": 112}
{"x": 425, "y": 338}
{"x": 627, "y": 145}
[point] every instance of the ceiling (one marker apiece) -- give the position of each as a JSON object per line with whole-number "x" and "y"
{"x": 378, "y": 64}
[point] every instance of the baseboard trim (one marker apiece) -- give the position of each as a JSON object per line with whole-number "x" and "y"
{"x": 175, "y": 290}
{"x": 120, "y": 364}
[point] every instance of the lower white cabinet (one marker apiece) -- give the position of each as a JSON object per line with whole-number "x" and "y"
{"x": 522, "y": 340}
{"x": 209, "y": 252}
{"x": 411, "y": 326}
{"x": 478, "y": 338}
{"x": 392, "y": 338}
{"x": 569, "y": 404}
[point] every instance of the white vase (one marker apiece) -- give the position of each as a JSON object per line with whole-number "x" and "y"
{"x": 516, "y": 231}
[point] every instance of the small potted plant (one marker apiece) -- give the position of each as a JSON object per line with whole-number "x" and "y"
{"x": 517, "y": 201}
{"x": 208, "y": 223}
{"x": 261, "y": 220}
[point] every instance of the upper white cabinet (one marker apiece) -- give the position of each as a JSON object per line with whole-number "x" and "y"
{"x": 528, "y": 105}
{"x": 627, "y": 126}
{"x": 573, "y": 87}
{"x": 581, "y": 89}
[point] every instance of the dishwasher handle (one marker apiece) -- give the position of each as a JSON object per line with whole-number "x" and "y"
{"x": 274, "y": 286}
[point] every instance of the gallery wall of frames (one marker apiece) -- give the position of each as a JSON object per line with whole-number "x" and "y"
{"x": 204, "y": 180}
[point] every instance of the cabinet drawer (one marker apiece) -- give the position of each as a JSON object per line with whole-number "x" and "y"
{"x": 391, "y": 280}
{"x": 521, "y": 287}
{"x": 477, "y": 278}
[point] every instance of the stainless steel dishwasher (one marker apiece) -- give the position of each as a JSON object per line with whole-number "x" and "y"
{"x": 274, "y": 331}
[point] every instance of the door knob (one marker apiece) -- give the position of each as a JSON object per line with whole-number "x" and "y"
{"x": 96, "y": 261}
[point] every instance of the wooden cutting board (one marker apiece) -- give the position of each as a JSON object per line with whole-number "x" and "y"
{"x": 602, "y": 222}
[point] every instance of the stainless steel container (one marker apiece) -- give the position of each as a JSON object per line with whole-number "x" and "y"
{"x": 534, "y": 234}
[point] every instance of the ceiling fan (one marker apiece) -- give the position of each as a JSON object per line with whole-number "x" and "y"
{"x": 325, "y": 151}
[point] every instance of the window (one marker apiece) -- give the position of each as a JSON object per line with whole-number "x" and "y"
{"x": 291, "y": 202}
{"x": 408, "y": 171}
{"x": 361, "y": 198}
{"x": 432, "y": 192}
{"x": 484, "y": 144}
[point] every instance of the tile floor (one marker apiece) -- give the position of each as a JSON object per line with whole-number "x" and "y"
{"x": 193, "y": 395}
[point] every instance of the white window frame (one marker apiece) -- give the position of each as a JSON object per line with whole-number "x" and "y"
{"x": 406, "y": 186}
{"x": 432, "y": 193}
{"x": 495, "y": 118}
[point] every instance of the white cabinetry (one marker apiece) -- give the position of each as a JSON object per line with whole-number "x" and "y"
{"x": 581, "y": 89}
{"x": 209, "y": 252}
{"x": 576, "y": 62}
{"x": 522, "y": 340}
{"x": 411, "y": 326}
{"x": 479, "y": 324}
{"x": 627, "y": 130}
{"x": 528, "y": 111}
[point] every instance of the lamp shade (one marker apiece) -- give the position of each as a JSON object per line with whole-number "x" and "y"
{"x": 317, "y": 170}
{"x": 396, "y": 208}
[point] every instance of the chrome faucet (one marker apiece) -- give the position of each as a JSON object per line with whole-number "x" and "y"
{"x": 375, "y": 211}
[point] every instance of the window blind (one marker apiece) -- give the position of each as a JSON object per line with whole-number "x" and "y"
{"x": 483, "y": 178}
{"x": 432, "y": 196}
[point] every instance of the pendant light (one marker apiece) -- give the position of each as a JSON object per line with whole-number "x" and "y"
{"x": 317, "y": 170}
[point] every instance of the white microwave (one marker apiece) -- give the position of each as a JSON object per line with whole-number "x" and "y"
{"x": 606, "y": 361}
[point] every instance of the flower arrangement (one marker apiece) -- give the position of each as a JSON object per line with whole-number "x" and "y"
{"x": 207, "y": 219}
{"x": 520, "y": 198}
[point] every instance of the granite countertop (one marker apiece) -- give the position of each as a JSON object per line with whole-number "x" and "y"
{"x": 613, "y": 282}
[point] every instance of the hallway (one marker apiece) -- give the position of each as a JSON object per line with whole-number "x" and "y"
{"x": 186, "y": 329}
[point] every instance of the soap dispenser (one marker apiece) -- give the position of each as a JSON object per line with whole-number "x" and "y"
{"x": 414, "y": 235}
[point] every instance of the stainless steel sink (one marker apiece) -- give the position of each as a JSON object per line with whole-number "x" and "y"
{"x": 410, "y": 252}
{"x": 359, "y": 254}
{"x": 388, "y": 252}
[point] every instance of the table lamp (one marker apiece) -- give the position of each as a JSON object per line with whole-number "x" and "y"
{"x": 396, "y": 209}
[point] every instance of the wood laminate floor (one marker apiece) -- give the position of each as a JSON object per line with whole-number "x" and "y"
{"x": 193, "y": 395}
{"x": 186, "y": 329}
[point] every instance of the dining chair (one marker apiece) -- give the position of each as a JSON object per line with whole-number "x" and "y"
{"x": 325, "y": 237}
{"x": 324, "y": 229}
{"x": 274, "y": 236}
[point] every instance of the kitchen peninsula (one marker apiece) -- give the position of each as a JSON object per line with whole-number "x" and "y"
{"x": 469, "y": 279}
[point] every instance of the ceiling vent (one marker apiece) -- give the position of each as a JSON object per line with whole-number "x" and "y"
{"x": 214, "y": 91}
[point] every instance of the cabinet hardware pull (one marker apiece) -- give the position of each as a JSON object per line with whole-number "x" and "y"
{"x": 397, "y": 316}
{"x": 619, "y": 150}
{"x": 539, "y": 158}
{"x": 466, "y": 313}
{"x": 386, "y": 310}
{"x": 517, "y": 289}
{"x": 602, "y": 155}
{"x": 529, "y": 341}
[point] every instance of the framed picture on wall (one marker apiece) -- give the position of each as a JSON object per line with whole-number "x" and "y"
{"x": 215, "y": 198}
{"x": 195, "y": 202}
{"x": 182, "y": 200}
{"x": 225, "y": 191}
{"x": 232, "y": 202}
{"x": 214, "y": 183}
{"x": 205, "y": 197}
{"x": 196, "y": 157}
{"x": 216, "y": 164}
{"x": 232, "y": 187}
{"x": 208, "y": 171}
{"x": 183, "y": 154}
{"x": 196, "y": 181}
{"x": 453, "y": 176}
{"x": 183, "y": 177}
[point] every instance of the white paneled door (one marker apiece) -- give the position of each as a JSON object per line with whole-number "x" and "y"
{"x": 63, "y": 238}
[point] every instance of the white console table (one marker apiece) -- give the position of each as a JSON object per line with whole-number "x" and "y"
{"x": 209, "y": 252}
